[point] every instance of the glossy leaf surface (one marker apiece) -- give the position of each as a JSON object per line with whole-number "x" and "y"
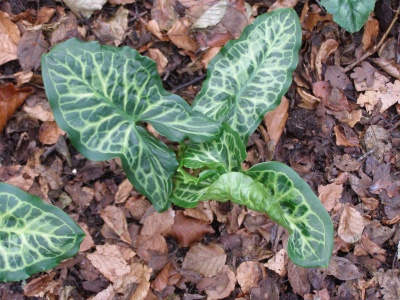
{"x": 101, "y": 96}
{"x": 311, "y": 241}
{"x": 227, "y": 151}
{"x": 34, "y": 236}
{"x": 349, "y": 14}
{"x": 249, "y": 75}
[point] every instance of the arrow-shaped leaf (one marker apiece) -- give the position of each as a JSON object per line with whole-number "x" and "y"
{"x": 34, "y": 236}
{"x": 102, "y": 95}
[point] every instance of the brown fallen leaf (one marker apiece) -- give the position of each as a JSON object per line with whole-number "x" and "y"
{"x": 123, "y": 2}
{"x": 365, "y": 73}
{"x": 31, "y": 47}
{"x": 330, "y": 195}
{"x": 158, "y": 223}
{"x": 298, "y": 279}
{"x": 11, "y": 98}
{"x": 148, "y": 245}
{"x": 346, "y": 163}
{"x": 371, "y": 30}
{"x": 87, "y": 242}
{"x": 208, "y": 260}
{"x": 22, "y": 177}
{"x": 376, "y": 137}
{"x": 276, "y": 120}
{"x": 337, "y": 77}
{"x": 308, "y": 101}
{"x": 49, "y": 133}
{"x": 106, "y": 294}
{"x": 9, "y": 38}
{"x": 389, "y": 66}
{"x": 36, "y": 286}
{"x": 343, "y": 269}
{"x": 187, "y": 230}
{"x": 248, "y": 275}
{"x": 163, "y": 11}
{"x": 351, "y": 225}
{"x": 123, "y": 192}
{"x": 220, "y": 286}
{"x": 388, "y": 98}
{"x": 345, "y": 136}
{"x": 82, "y": 196}
{"x": 160, "y": 59}
{"x": 327, "y": 48}
{"x": 278, "y": 263}
{"x": 179, "y": 35}
{"x": 390, "y": 283}
{"x": 44, "y": 15}
{"x": 114, "y": 217}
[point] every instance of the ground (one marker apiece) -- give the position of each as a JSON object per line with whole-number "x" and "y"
{"x": 337, "y": 127}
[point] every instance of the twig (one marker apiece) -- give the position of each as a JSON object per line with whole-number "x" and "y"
{"x": 376, "y": 47}
{"x": 197, "y": 79}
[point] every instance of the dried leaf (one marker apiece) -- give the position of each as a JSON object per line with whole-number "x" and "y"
{"x": 49, "y": 133}
{"x": 82, "y": 196}
{"x": 123, "y": 2}
{"x": 123, "y": 192}
{"x": 11, "y": 98}
{"x": 44, "y": 15}
{"x": 163, "y": 12}
{"x": 337, "y": 77}
{"x": 276, "y": 120}
{"x": 158, "y": 223}
{"x": 298, "y": 279}
{"x": 38, "y": 108}
{"x": 161, "y": 281}
{"x": 119, "y": 25}
{"x": 389, "y": 66}
{"x": 343, "y": 269}
{"x": 148, "y": 245}
{"x": 390, "y": 283}
{"x": 31, "y": 47}
{"x": 350, "y": 118}
{"x": 206, "y": 260}
{"x": 187, "y": 230}
{"x": 330, "y": 195}
{"x": 114, "y": 217}
{"x": 373, "y": 249}
{"x": 248, "y": 274}
{"x": 327, "y": 48}
{"x": 278, "y": 263}
{"x": 345, "y": 136}
{"x": 364, "y": 73}
{"x": 37, "y": 286}
{"x": 9, "y": 38}
{"x": 346, "y": 163}
{"x": 283, "y": 4}
{"x": 87, "y": 242}
{"x": 161, "y": 61}
{"x": 107, "y": 294}
{"x": 351, "y": 225}
{"x": 220, "y": 286}
{"x": 308, "y": 101}
{"x": 212, "y": 16}
{"x": 179, "y": 35}
{"x": 144, "y": 285}
{"x": 371, "y": 30}
{"x": 84, "y": 7}
{"x": 379, "y": 84}
{"x": 376, "y": 137}
{"x": 9, "y": 28}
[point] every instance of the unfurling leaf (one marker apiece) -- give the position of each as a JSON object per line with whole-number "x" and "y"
{"x": 34, "y": 236}
{"x": 249, "y": 75}
{"x": 102, "y": 95}
{"x": 11, "y": 98}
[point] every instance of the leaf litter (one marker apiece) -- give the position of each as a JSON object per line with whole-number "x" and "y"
{"x": 338, "y": 129}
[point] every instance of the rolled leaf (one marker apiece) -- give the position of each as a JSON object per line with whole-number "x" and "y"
{"x": 34, "y": 236}
{"x": 249, "y": 76}
{"x": 102, "y": 95}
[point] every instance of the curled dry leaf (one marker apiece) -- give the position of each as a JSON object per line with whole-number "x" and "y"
{"x": 308, "y": 101}
{"x": 371, "y": 30}
{"x": 327, "y": 48}
{"x": 278, "y": 263}
{"x": 179, "y": 35}
{"x": 220, "y": 286}
{"x": 160, "y": 59}
{"x": 49, "y": 133}
{"x": 84, "y": 8}
{"x": 9, "y": 38}
{"x": 114, "y": 217}
{"x": 330, "y": 195}
{"x": 276, "y": 120}
{"x": 351, "y": 225}
{"x": 207, "y": 260}
{"x": 345, "y": 136}
{"x": 11, "y": 98}
{"x": 123, "y": 192}
{"x": 248, "y": 274}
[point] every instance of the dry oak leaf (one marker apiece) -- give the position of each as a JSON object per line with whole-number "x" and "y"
{"x": 365, "y": 73}
{"x": 380, "y": 82}
{"x": 388, "y": 98}
{"x": 207, "y": 260}
{"x": 114, "y": 217}
{"x": 351, "y": 225}
{"x": 84, "y": 7}
{"x": 337, "y": 77}
{"x": 330, "y": 195}
{"x": 248, "y": 274}
{"x": 179, "y": 35}
{"x": 219, "y": 286}
{"x": 9, "y": 38}
{"x": 278, "y": 263}
{"x": 11, "y": 98}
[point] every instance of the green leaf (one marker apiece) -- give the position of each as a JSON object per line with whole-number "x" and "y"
{"x": 227, "y": 151}
{"x": 249, "y": 76}
{"x": 188, "y": 189}
{"x": 311, "y": 242}
{"x": 34, "y": 236}
{"x": 102, "y": 95}
{"x": 275, "y": 189}
{"x": 349, "y": 14}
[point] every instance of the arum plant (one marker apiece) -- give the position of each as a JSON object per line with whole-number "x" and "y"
{"x": 105, "y": 96}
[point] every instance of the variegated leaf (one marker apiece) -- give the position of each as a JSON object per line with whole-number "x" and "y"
{"x": 34, "y": 236}
{"x": 249, "y": 76}
{"x": 227, "y": 151}
{"x": 102, "y": 95}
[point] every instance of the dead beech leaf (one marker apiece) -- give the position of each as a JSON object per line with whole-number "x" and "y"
{"x": 373, "y": 249}
{"x": 351, "y": 225}
{"x": 327, "y": 48}
{"x": 371, "y": 30}
{"x": 9, "y": 27}
{"x": 123, "y": 192}
{"x": 390, "y": 283}
{"x": 87, "y": 242}
{"x": 9, "y": 38}
{"x": 276, "y": 120}
{"x": 207, "y": 260}
{"x": 49, "y": 133}
{"x": 137, "y": 206}
{"x": 23, "y": 77}
{"x": 163, "y": 11}
{"x": 147, "y": 245}
{"x": 114, "y": 217}
{"x": 36, "y": 286}
{"x": 144, "y": 285}
{"x": 188, "y": 230}
{"x": 44, "y": 15}
{"x": 107, "y": 294}
{"x": 158, "y": 223}
{"x": 154, "y": 28}
{"x": 179, "y": 35}
{"x": 160, "y": 59}
{"x": 350, "y": 118}
{"x": 278, "y": 263}
{"x": 248, "y": 274}
{"x": 31, "y": 47}
{"x": 343, "y": 269}
{"x": 220, "y": 286}
{"x": 201, "y": 212}
{"x": 298, "y": 279}
{"x": 109, "y": 261}
{"x": 82, "y": 196}
{"x": 161, "y": 281}
{"x": 84, "y": 7}
{"x": 11, "y": 98}
{"x": 38, "y": 108}
{"x": 212, "y": 16}
{"x": 330, "y": 195}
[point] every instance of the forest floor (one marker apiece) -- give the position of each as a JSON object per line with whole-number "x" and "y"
{"x": 337, "y": 127}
